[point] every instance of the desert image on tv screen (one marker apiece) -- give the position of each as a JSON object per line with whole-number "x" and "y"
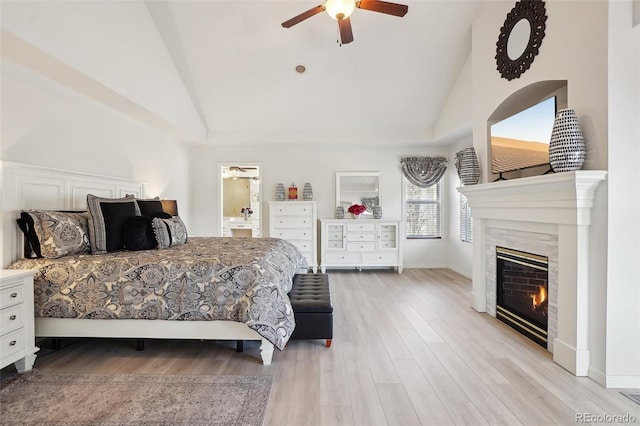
{"x": 522, "y": 140}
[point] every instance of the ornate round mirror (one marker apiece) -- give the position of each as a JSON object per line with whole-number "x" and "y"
{"x": 520, "y": 38}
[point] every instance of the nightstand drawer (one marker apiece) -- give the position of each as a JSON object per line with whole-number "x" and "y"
{"x": 11, "y": 344}
{"x": 11, "y": 295}
{"x": 11, "y": 318}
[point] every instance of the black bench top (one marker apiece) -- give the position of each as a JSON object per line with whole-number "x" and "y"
{"x": 311, "y": 293}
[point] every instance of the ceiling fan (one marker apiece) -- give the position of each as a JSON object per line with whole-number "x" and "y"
{"x": 241, "y": 169}
{"x": 341, "y": 10}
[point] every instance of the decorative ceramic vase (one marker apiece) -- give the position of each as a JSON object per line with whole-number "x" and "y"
{"x": 339, "y": 212}
{"x": 356, "y": 216}
{"x": 307, "y": 192}
{"x": 566, "y": 148}
{"x": 377, "y": 212}
{"x": 468, "y": 167}
{"x": 280, "y": 192}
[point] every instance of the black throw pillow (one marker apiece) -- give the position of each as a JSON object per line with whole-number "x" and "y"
{"x": 137, "y": 233}
{"x": 115, "y": 215}
{"x": 149, "y": 207}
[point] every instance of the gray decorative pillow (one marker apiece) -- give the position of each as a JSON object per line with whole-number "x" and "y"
{"x": 169, "y": 232}
{"x": 106, "y": 221}
{"x": 61, "y": 233}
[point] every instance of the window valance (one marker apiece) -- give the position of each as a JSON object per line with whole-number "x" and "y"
{"x": 423, "y": 171}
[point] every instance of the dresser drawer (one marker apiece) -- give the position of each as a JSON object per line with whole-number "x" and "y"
{"x": 11, "y": 295}
{"x": 380, "y": 258}
{"x": 335, "y": 244}
{"x": 292, "y": 222}
{"x": 342, "y": 258}
{"x": 11, "y": 318}
{"x": 388, "y": 244}
{"x": 293, "y": 210}
{"x": 293, "y": 234}
{"x": 361, "y": 246}
{"x": 387, "y": 236}
{"x": 302, "y": 245}
{"x": 360, "y": 236}
{"x": 361, "y": 227}
{"x": 11, "y": 344}
{"x": 388, "y": 228}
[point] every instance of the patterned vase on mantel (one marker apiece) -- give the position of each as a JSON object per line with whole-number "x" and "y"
{"x": 468, "y": 167}
{"x": 566, "y": 148}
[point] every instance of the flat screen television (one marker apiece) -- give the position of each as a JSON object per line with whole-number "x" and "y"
{"x": 522, "y": 140}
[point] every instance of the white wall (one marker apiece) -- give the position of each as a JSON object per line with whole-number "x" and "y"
{"x": 316, "y": 165}
{"x": 623, "y": 290}
{"x": 46, "y": 124}
{"x": 460, "y": 254}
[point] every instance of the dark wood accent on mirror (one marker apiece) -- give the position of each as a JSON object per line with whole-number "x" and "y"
{"x": 533, "y": 11}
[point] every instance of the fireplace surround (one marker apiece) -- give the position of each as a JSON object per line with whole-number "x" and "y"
{"x": 549, "y": 215}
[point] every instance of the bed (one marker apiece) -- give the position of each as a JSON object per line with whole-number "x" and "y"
{"x": 212, "y": 288}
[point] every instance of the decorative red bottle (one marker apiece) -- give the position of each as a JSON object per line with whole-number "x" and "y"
{"x": 293, "y": 191}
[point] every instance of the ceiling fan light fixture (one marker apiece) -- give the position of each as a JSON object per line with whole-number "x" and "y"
{"x": 340, "y": 9}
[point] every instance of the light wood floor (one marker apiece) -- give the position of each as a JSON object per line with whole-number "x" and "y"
{"x": 407, "y": 350}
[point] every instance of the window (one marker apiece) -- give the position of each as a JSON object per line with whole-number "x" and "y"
{"x": 422, "y": 210}
{"x": 466, "y": 224}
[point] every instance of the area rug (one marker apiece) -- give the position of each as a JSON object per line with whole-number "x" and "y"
{"x": 36, "y": 398}
{"x": 634, "y": 396}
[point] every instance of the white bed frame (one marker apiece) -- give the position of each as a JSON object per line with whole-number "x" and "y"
{"x": 30, "y": 187}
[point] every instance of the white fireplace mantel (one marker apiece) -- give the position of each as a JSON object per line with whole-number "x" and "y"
{"x": 558, "y": 204}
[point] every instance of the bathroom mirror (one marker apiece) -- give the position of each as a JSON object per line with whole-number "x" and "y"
{"x": 240, "y": 199}
{"x": 358, "y": 188}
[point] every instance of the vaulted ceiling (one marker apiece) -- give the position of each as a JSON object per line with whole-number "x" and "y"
{"x": 236, "y": 65}
{"x": 386, "y": 87}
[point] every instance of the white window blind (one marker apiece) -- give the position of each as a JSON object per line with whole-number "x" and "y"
{"x": 422, "y": 210}
{"x": 466, "y": 223}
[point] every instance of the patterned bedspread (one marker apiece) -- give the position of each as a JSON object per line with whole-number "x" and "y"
{"x": 214, "y": 278}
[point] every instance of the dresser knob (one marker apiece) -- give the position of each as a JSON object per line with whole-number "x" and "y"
{"x": 14, "y": 295}
{"x": 12, "y": 343}
{"x": 12, "y": 317}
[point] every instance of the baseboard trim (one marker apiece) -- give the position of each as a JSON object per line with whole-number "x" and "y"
{"x": 597, "y": 376}
{"x": 623, "y": 382}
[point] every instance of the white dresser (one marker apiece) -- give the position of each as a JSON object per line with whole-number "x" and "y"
{"x": 296, "y": 221}
{"x": 360, "y": 243}
{"x": 17, "y": 337}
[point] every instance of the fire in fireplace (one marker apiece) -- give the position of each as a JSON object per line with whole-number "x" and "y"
{"x": 522, "y": 285}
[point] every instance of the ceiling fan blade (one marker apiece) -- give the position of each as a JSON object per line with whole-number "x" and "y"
{"x": 383, "y": 7}
{"x": 346, "y": 35}
{"x": 305, "y": 15}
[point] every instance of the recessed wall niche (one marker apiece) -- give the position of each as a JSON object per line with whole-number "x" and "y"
{"x": 518, "y": 101}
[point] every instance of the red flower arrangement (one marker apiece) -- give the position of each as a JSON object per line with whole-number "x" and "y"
{"x": 356, "y": 209}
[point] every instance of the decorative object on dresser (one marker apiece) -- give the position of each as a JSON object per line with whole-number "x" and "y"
{"x": 467, "y": 166}
{"x": 520, "y": 38}
{"x": 361, "y": 244}
{"x": 356, "y": 210}
{"x": 377, "y": 212}
{"x": 307, "y": 192}
{"x": 292, "y": 192}
{"x": 296, "y": 222}
{"x": 281, "y": 194}
{"x": 339, "y": 212}
{"x": 566, "y": 149}
{"x": 17, "y": 336}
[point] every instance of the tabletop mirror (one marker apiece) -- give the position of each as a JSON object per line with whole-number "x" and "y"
{"x": 358, "y": 188}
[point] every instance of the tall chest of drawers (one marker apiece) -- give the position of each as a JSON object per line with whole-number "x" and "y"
{"x": 296, "y": 222}
{"x": 17, "y": 336}
{"x": 360, "y": 243}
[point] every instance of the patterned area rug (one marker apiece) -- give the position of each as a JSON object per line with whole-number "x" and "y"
{"x": 121, "y": 399}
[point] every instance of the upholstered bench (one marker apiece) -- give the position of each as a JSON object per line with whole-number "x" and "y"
{"x": 311, "y": 301}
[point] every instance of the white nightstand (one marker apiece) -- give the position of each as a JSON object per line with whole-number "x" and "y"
{"x": 17, "y": 336}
